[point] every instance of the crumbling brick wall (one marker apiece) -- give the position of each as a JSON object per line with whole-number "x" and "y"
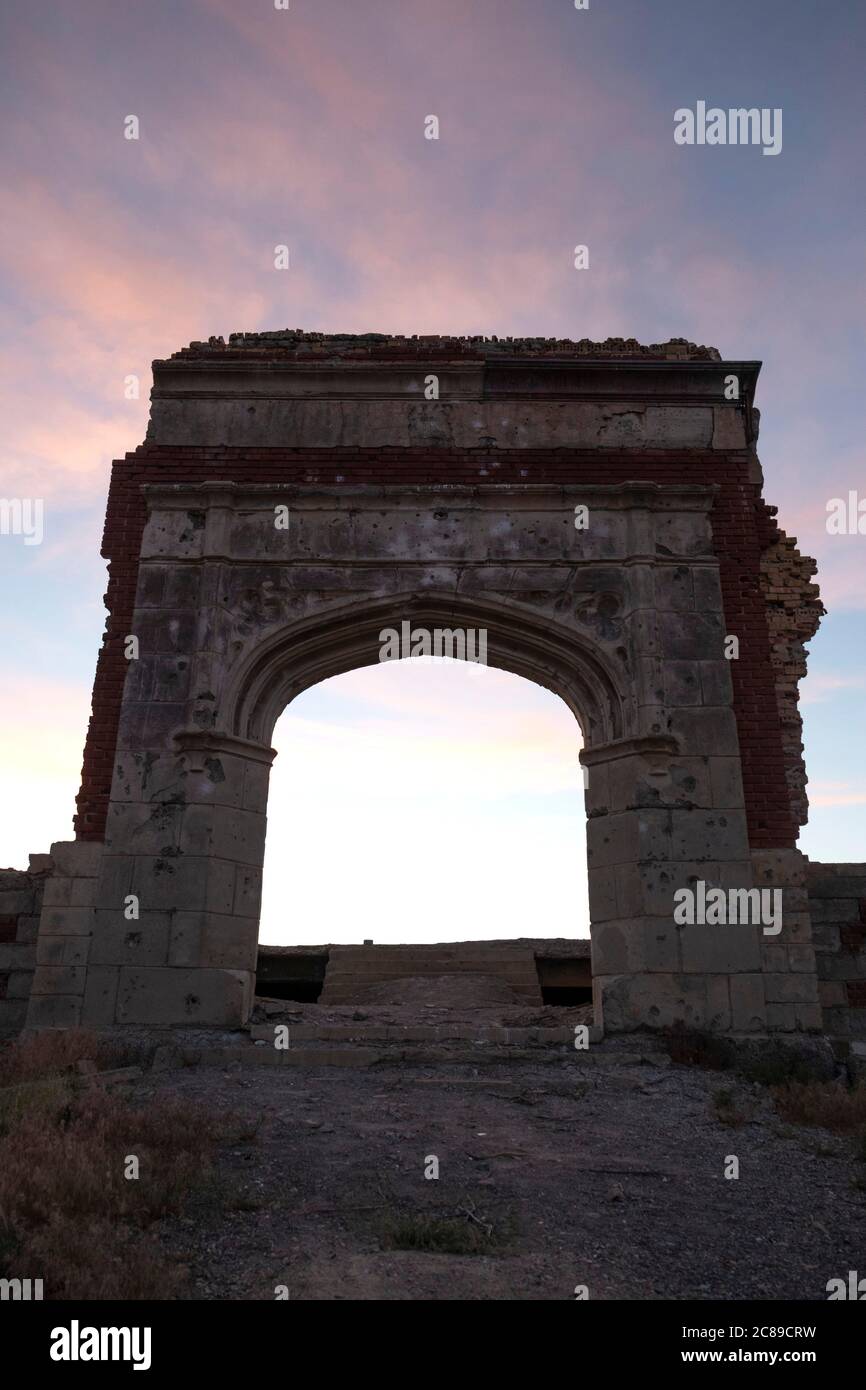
{"x": 21, "y": 892}
{"x": 793, "y": 612}
{"x": 837, "y": 903}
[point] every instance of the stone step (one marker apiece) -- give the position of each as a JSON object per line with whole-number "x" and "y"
{"x": 351, "y": 969}
{"x": 352, "y": 992}
{"x": 430, "y": 967}
{"x": 478, "y": 1053}
{"x": 419, "y": 1032}
{"x": 348, "y": 981}
{"x": 424, "y": 972}
{"x": 425, "y": 966}
{"x": 468, "y": 952}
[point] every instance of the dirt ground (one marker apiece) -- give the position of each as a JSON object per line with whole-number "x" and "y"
{"x": 570, "y": 1171}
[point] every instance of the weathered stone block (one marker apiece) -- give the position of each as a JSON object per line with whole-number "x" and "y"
{"x": 117, "y": 941}
{"x": 76, "y": 858}
{"x": 100, "y": 996}
{"x": 58, "y": 891}
{"x": 16, "y": 902}
{"x": 612, "y": 839}
{"x": 779, "y": 868}
{"x": 708, "y": 835}
{"x": 144, "y": 828}
{"x": 66, "y": 921}
{"x": 248, "y": 891}
{"x": 674, "y": 589}
{"x": 184, "y": 883}
{"x": 716, "y": 686}
{"x": 774, "y": 959}
{"x": 718, "y": 1015}
{"x": 832, "y": 994}
{"x": 833, "y": 911}
{"x": 837, "y": 887}
{"x": 28, "y": 929}
{"x": 58, "y": 979}
{"x": 19, "y": 985}
{"x": 706, "y": 731}
{"x": 654, "y": 1001}
{"x": 210, "y": 939}
{"x": 720, "y": 949}
{"x": 256, "y": 780}
{"x": 748, "y": 1008}
{"x": 791, "y": 989}
{"x": 13, "y": 1013}
{"x": 225, "y": 832}
{"x": 809, "y": 1017}
{"x": 796, "y": 928}
{"x": 602, "y": 883}
{"x": 175, "y": 995}
{"x": 691, "y": 637}
{"x": 49, "y": 949}
{"x": 729, "y": 428}
{"x": 781, "y": 1018}
{"x": 726, "y": 782}
{"x": 801, "y": 958}
{"x": 16, "y": 955}
{"x": 54, "y": 1011}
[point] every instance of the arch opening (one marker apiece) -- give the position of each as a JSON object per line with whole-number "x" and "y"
{"x": 542, "y": 655}
{"x": 435, "y": 786}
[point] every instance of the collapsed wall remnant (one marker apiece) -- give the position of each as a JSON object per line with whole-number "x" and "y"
{"x": 439, "y": 481}
{"x": 794, "y": 610}
{"x": 21, "y": 893}
{"x": 837, "y": 904}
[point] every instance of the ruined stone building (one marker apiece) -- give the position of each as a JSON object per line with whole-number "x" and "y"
{"x": 437, "y": 481}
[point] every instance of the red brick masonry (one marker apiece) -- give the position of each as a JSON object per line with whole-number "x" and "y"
{"x": 743, "y": 527}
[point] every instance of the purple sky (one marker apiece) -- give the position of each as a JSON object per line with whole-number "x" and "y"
{"x": 306, "y": 127}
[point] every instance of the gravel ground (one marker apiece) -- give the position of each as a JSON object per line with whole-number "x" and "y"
{"x": 609, "y": 1175}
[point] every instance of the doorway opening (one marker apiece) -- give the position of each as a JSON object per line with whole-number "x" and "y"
{"x": 426, "y": 820}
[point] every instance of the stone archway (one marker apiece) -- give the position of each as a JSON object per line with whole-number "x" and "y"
{"x": 234, "y": 614}
{"x": 186, "y": 823}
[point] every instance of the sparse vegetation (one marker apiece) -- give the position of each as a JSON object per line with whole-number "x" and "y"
{"x": 51, "y": 1054}
{"x": 777, "y": 1065}
{"x": 68, "y": 1212}
{"x": 824, "y": 1105}
{"x": 459, "y": 1235}
{"x": 766, "y": 1064}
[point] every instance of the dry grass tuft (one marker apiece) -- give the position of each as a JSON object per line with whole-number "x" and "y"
{"x": 823, "y": 1104}
{"x": 68, "y": 1212}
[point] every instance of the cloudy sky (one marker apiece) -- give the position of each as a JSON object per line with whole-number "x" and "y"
{"x": 306, "y": 127}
